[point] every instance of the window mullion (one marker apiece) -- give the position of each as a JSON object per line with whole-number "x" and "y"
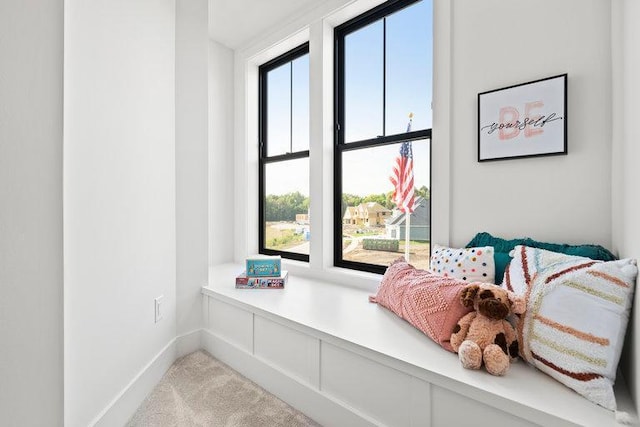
{"x": 288, "y": 156}
{"x": 384, "y": 77}
{"x": 262, "y": 152}
{"x": 291, "y": 107}
{"x": 386, "y": 140}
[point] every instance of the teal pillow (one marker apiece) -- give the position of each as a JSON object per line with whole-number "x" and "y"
{"x": 502, "y": 248}
{"x": 502, "y": 260}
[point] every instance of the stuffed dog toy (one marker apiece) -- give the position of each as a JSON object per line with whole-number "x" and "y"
{"x": 485, "y": 335}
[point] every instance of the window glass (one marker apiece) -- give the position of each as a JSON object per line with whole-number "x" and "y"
{"x": 383, "y": 89}
{"x": 300, "y": 103}
{"x": 363, "y": 81}
{"x": 284, "y": 156}
{"x": 408, "y": 71}
{"x": 279, "y": 110}
{"x": 286, "y": 207}
{"x": 369, "y": 212}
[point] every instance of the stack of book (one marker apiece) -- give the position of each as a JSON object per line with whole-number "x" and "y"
{"x": 262, "y": 272}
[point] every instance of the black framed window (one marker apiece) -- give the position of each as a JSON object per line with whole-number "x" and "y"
{"x": 383, "y": 92}
{"x": 284, "y": 227}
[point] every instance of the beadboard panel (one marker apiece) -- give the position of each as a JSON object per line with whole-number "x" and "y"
{"x": 374, "y": 389}
{"x": 231, "y": 323}
{"x": 420, "y": 403}
{"x": 315, "y": 404}
{"x": 293, "y": 352}
{"x": 453, "y": 409}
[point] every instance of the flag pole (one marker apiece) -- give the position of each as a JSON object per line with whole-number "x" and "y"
{"x": 404, "y": 190}
{"x": 407, "y": 223}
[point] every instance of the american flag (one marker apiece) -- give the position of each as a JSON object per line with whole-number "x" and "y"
{"x": 402, "y": 177}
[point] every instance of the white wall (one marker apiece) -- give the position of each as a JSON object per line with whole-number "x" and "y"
{"x": 626, "y": 210}
{"x": 119, "y": 195}
{"x": 221, "y": 215}
{"x": 497, "y": 43}
{"x": 191, "y": 161}
{"x": 31, "y": 319}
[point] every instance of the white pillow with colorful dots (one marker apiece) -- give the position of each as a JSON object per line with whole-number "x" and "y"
{"x": 469, "y": 264}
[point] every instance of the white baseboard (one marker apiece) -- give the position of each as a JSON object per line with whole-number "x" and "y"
{"x": 188, "y": 343}
{"x": 313, "y": 403}
{"x": 124, "y": 405}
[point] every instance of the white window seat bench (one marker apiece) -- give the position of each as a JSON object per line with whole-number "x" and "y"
{"x": 327, "y": 351}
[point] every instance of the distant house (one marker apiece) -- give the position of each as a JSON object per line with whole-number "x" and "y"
{"x": 420, "y": 222}
{"x": 350, "y": 216}
{"x": 368, "y": 214}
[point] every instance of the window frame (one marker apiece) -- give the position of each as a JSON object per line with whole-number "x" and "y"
{"x": 263, "y": 158}
{"x": 340, "y": 146}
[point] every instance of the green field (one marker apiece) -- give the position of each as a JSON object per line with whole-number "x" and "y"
{"x": 281, "y": 239}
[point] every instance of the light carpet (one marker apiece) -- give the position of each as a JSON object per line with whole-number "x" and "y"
{"x": 199, "y": 390}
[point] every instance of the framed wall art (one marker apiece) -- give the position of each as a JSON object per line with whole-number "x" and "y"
{"x": 524, "y": 120}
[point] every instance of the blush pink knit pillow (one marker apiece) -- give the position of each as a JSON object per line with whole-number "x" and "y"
{"x": 429, "y": 302}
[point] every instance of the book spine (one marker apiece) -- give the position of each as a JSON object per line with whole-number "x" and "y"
{"x": 254, "y": 282}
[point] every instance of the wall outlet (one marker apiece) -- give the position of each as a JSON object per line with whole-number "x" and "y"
{"x": 158, "y": 306}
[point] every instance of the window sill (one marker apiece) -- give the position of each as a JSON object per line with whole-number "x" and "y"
{"x": 342, "y": 315}
{"x": 336, "y": 275}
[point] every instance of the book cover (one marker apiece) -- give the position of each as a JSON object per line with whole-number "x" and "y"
{"x": 274, "y": 282}
{"x": 263, "y": 266}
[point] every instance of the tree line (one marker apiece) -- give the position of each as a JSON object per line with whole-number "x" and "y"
{"x": 285, "y": 207}
{"x": 384, "y": 199}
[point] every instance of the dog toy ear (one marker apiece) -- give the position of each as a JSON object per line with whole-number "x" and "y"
{"x": 518, "y": 303}
{"x": 468, "y": 295}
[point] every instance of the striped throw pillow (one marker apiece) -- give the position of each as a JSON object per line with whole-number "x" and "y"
{"x": 577, "y": 314}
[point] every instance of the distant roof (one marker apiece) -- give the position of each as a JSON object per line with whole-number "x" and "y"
{"x": 369, "y": 207}
{"x": 374, "y": 206}
{"x": 420, "y": 216}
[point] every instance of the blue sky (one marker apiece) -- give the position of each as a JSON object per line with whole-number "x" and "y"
{"x": 280, "y": 132}
{"x": 408, "y": 90}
